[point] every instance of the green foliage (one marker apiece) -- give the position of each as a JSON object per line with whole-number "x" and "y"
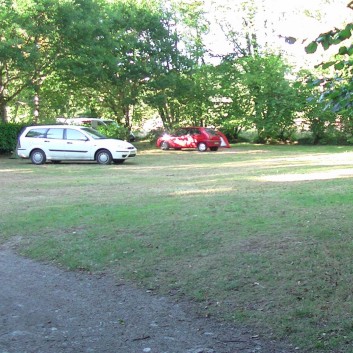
{"x": 259, "y": 95}
{"x": 337, "y": 83}
{"x": 116, "y": 57}
{"x": 8, "y": 137}
{"x": 153, "y": 135}
{"x": 29, "y": 49}
{"x": 317, "y": 119}
{"x": 115, "y": 131}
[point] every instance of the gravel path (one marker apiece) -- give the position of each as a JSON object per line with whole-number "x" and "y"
{"x": 44, "y": 309}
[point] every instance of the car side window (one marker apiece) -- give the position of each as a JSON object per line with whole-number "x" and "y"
{"x": 195, "y": 132}
{"x": 56, "y": 134}
{"x": 37, "y": 133}
{"x": 75, "y": 135}
{"x": 180, "y": 132}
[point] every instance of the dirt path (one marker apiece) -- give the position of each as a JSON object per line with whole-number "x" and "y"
{"x": 47, "y": 310}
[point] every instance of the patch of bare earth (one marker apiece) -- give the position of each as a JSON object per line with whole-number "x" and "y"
{"x": 44, "y": 309}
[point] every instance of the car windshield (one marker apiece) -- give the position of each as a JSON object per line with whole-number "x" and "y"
{"x": 93, "y": 133}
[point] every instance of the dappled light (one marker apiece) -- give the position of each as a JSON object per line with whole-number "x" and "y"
{"x": 326, "y": 175}
{"x": 311, "y": 161}
{"x": 23, "y": 171}
{"x": 200, "y": 191}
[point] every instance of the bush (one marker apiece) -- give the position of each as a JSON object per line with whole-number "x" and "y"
{"x": 304, "y": 138}
{"x": 232, "y": 132}
{"x": 115, "y": 132}
{"x": 153, "y": 135}
{"x": 333, "y": 136}
{"x": 8, "y": 136}
{"x": 249, "y": 136}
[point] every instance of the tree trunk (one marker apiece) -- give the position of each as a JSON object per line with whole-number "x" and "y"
{"x": 3, "y": 111}
{"x": 126, "y": 110}
{"x": 3, "y": 105}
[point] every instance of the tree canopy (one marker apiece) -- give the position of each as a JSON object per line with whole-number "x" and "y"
{"x": 131, "y": 60}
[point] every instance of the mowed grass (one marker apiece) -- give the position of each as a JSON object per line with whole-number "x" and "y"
{"x": 258, "y": 235}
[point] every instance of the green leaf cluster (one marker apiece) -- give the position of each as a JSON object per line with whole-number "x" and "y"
{"x": 338, "y": 71}
{"x": 8, "y": 137}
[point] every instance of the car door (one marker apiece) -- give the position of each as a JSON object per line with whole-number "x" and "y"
{"x": 193, "y": 137}
{"x": 54, "y": 144}
{"x": 180, "y": 138}
{"x": 78, "y": 145}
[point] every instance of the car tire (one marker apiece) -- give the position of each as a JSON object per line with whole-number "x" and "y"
{"x": 38, "y": 157}
{"x": 103, "y": 157}
{"x": 118, "y": 161}
{"x": 164, "y": 146}
{"x": 202, "y": 147}
{"x": 214, "y": 149}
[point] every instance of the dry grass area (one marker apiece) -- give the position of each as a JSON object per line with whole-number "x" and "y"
{"x": 259, "y": 235}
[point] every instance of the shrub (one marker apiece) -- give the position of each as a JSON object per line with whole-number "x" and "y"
{"x": 153, "y": 135}
{"x": 115, "y": 131}
{"x": 333, "y": 136}
{"x": 249, "y": 136}
{"x": 8, "y": 136}
{"x": 232, "y": 132}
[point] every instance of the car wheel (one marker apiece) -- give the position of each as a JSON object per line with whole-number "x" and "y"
{"x": 118, "y": 161}
{"x": 202, "y": 147}
{"x": 214, "y": 149}
{"x": 38, "y": 157}
{"x": 164, "y": 146}
{"x": 103, "y": 157}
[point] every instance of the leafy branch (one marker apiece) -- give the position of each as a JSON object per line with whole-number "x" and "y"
{"x": 338, "y": 89}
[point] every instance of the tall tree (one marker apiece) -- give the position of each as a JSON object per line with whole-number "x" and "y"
{"x": 138, "y": 50}
{"x": 179, "y": 94}
{"x": 27, "y": 49}
{"x": 40, "y": 36}
{"x": 256, "y": 93}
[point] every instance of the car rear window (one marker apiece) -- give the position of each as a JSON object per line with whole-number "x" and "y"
{"x": 38, "y": 133}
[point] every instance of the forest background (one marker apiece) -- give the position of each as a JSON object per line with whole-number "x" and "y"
{"x": 279, "y": 71}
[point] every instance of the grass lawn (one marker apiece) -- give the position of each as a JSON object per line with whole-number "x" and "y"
{"x": 259, "y": 235}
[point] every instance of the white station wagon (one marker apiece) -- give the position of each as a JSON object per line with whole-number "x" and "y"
{"x": 75, "y": 143}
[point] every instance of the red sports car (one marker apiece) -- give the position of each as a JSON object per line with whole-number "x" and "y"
{"x": 193, "y": 137}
